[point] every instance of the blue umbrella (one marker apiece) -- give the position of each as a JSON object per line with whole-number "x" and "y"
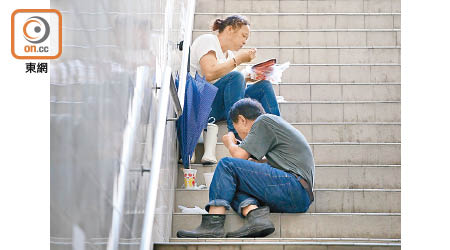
{"x": 198, "y": 99}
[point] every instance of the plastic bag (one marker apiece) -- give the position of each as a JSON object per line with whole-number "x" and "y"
{"x": 192, "y": 210}
{"x": 273, "y": 75}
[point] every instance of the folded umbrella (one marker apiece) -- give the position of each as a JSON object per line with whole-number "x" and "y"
{"x": 198, "y": 99}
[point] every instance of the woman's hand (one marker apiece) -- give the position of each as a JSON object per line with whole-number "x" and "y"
{"x": 244, "y": 56}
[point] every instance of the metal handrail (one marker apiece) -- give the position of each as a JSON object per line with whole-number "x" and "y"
{"x": 150, "y": 206}
{"x": 184, "y": 61}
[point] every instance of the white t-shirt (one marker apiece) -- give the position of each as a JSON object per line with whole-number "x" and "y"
{"x": 201, "y": 46}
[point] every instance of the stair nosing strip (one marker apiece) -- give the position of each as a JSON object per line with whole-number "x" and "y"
{"x": 279, "y": 243}
{"x": 333, "y": 64}
{"x": 319, "y": 166}
{"x": 380, "y": 190}
{"x": 337, "y": 83}
{"x": 346, "y": 143}
{"x": 313, "y": 30}
{"x": 345, "y": 123}
{"x": 336, "y": 102}
{"x": 323, "y": 47}
{"x": 302, "y": 13}
{"x": 325, "y": 213}
{"x": 307, "y": 238}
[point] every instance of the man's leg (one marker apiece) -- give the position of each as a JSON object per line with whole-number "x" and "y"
{"x": 223, "y": 192}
{"x": 235, "y": 181}
{"x": 262, "y": 91}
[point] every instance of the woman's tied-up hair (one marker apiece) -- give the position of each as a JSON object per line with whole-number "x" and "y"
{"x": 235, "y": 21}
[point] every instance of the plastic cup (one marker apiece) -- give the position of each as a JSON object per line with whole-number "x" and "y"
{"x": 208, "y": 178}
{"x": 190, "y": 178}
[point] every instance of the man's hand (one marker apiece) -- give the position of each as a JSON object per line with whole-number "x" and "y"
{"x": 263, "y": 160}
{"x": 229, "y": 139}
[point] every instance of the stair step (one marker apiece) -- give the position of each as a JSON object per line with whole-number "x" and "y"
{"x": 256, "y": 244}
{"x": 338, "y": 92}
{"x": 338, "y": 6}
{"x": 288, "y": 240}
{"x": 376, "y": 153}
{"x": 320, "y": 37}
{"x": 326, "y": 200}
{"x": 330, "y": 55}
{"x": 345, "y": 176}
{"x": 342, "y": 132}
{"x": 318, "y": 225}
{"x": 257, "y": 21}
{"x": 340, "y": 111}
{"x": 342, "y": 73}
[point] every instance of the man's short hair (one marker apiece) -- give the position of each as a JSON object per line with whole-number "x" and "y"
{"x": 247, "y": 107}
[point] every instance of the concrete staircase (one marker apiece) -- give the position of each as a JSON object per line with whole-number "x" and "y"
{"x": 342, "y": 92}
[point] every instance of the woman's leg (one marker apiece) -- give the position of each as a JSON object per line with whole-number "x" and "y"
{"x": 262, "y": 91}
{"x": 230, "y": 90}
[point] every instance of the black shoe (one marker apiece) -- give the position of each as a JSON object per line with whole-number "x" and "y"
{"x": 257, "y": 224}
{"x": 212, "y": 226}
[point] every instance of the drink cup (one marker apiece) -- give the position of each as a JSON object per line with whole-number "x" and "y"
{"x": 208, "y": 178}
{"x": 190, "y": 176}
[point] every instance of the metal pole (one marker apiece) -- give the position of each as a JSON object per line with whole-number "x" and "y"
{"x": 156, "y": 163}
{"x": 129, "y": 137}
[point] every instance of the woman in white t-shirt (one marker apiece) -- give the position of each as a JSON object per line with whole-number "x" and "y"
{"x": 212, "y": 57}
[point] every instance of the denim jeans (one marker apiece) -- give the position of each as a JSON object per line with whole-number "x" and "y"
{"x": 239, "y": 183}
{"x": 231, "y": 88}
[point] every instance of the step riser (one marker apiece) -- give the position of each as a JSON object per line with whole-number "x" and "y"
{"x": 273, "y": 247}
{"x": 336, "y": 177}
{"x": 342, "y": 74}
{"x": 331, "y": 55}
{"x": 373, "y": 92}
{"x": 311, "y": 225}
{"x": 342, "y": 133}
{"x": 325, "y": 201}
{"x": 339, "y": 6}
{"x": 345, "y": 154}
{"x": 204, "y": 22}
{"x": 341, "y": 112}
{"x": 320, "y": 38}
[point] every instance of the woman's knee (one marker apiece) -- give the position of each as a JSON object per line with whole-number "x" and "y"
{"x": 266, "y": 85}
{"x": 236, "y": 79}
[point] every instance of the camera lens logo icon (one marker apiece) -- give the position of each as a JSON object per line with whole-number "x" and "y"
{"x": 36, "y": 29}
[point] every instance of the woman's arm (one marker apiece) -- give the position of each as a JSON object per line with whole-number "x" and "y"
{"x": 213, "y": 70}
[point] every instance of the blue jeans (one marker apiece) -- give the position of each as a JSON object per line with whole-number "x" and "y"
{"x": 239, "y": 183}
{"x": 231, "y": 88}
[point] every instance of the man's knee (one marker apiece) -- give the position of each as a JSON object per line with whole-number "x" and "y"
{"x": 226, "y": 164}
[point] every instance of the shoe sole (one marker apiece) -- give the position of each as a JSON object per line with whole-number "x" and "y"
{"x": 254, "y": 233}
{"x": 181, "y": 235}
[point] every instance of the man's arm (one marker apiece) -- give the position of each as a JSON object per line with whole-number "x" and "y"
{"x": 236, "y": 152}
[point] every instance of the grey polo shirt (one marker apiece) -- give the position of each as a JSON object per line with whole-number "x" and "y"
{"x": 284, "y": 146}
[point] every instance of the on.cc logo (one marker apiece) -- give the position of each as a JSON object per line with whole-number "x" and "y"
{"x": 36, "y": 29}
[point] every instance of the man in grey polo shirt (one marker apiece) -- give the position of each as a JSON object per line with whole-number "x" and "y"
{"x": 271, "y": 170}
